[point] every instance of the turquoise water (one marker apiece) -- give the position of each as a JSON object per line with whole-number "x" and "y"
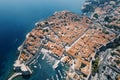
{"x": 17, "y": 18}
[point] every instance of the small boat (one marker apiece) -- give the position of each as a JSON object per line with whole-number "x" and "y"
{"x": 52, "y": 78}
{"x": 60, "y": 73}
{"x": 35, "y": 66}
{"x": 39, "y": 66}
{"x": 56, "y": 65}
{"x": 43, "y": 57}
{"x": 57, "y": 77}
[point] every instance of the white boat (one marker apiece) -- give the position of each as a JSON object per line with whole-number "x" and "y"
{"x": 56, "y": 65}
{"x": 43, "y": 57}
{"x": 60, "y": 73}
{"x": 39, "y": 66}
{"x": 35, "y": 66}
{"x": 57, "y": 77}
{"x": 52, "y": 78}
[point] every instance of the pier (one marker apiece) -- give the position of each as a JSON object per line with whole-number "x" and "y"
{"x": 14, "y": 76}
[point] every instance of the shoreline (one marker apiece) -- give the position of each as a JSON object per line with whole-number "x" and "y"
{"x": 43, "y": 24}
{"x": 22, "y": 25}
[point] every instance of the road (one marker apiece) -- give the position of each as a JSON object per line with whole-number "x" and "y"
{"x": 102, "y": 63}
{"x": 115, "y": 69}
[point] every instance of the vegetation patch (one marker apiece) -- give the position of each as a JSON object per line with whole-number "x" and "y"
{"x": 95, "y": 65}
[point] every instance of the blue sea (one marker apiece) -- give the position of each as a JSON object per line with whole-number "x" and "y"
{"x": 17, "y": 18}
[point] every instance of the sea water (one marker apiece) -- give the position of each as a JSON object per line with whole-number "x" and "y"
{"x": 17, "y": 18}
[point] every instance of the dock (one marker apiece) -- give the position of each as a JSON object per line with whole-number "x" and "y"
{"x": 14, "y": 76}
